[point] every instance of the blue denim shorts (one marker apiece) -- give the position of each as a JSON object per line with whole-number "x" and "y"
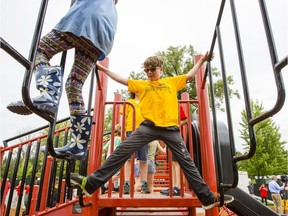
{"x": 142, "y": 153}
{"x": 151, "y": 168}
{"x": 136, "y": 170}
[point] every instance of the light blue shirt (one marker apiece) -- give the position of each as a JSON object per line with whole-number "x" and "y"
{"x": 274, "y": 187}
{"x": 95, "y": 20}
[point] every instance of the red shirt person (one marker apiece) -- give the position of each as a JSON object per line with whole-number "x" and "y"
{"x": 263, "y": 193}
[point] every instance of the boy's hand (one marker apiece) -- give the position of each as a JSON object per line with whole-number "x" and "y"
{"x": 205, "y": 57}
{"x": 197, "y": 66}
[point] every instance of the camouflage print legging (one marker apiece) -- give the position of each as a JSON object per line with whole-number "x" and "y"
{"x": 86, "y": 55}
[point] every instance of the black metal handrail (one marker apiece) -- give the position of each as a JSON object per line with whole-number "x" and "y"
{"x": 14, "y": 53}
{"x": 277, "y": 67}
{"x": 12, "y": 162}
{"x": 6, "y": 141}
{"x": 29, "y": 65}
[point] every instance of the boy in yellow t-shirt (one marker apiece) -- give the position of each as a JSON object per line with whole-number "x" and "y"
{"x": 159, "y": 108}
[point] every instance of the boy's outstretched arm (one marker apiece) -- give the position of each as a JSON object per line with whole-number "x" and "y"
{"x": 197, "y": 66}
{"x": 112, "y": 75}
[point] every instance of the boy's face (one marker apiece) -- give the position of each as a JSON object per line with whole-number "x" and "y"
{"x": 153, "y": 73}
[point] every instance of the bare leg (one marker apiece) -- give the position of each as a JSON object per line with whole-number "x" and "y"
{"x": 127, "y": 168}
{"x": 150, "y": 178}
{"x": 115, "y": 178}
{"x": 143, "y": 170}
{"x": 175, "y": 174}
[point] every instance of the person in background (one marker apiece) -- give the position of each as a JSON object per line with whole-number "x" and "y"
{"x": 6, "y": 190}
{"x": 175, "y": 164}
{"x": 154, "y": 148}
{"x": 275, "y": 189}
{"x": 14, "y": 202}
{"x": 18, "y": 188}
{"x": 107, "y": 149}
{"x": 251, "y": 189}
{"x": 159, "y": 108}
{"x": 141, "y": 155}
{"x": 263, "y": 193}
{"x": 89, "y": 27}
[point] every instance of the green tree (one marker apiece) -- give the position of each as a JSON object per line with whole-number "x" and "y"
{"x": 32, "y": 153}
{"x": 108, "y": 120}
{"x": 270, "y": 157}
{"x": 179, "y": 60}
{"x": 125, "y": 94}
{"x": 23, "y": 151}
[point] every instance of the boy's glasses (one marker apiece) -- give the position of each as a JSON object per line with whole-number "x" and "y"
{"x": 151, "y": 69}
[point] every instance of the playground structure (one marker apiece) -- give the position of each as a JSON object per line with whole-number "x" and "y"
{"x": 207, "y": 144}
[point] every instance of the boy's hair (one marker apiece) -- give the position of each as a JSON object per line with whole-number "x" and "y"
{"x": 132, "y": 95}
{"x": 117, "y": 129}
{"x": 153, "y": 61}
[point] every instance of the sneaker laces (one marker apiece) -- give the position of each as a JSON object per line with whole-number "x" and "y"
{"x": 216, "y": 197}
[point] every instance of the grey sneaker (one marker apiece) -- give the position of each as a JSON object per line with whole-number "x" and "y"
{"x": 126, "y": 189}
{"x": 216, "y": 203}
{"x": 145, "y": 189}
{"x": 80, "y": 181}
{"x": 176, "y": 191}
{"x": 165, "y": 191}
{"x": 103, "y": 189}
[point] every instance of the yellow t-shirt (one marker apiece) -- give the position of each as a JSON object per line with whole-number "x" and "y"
{"x": 158, "y": 99}
{"x": 129, "y": 114}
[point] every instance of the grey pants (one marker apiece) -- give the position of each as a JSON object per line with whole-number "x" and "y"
{"x": 146, "y": 133}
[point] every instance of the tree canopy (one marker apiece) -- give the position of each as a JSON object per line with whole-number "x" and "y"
{"x": 179, "y": 60}
{"x": 270, "y": 157}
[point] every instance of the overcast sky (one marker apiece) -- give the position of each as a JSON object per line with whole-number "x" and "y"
{"x": 144, "y": 28}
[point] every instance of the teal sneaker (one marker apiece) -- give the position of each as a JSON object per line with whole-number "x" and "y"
{"x": 145, "y": 189}
{"x": 126, "y": 189}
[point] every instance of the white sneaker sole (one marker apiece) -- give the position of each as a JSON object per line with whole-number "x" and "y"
{"x": 216, "y": 204}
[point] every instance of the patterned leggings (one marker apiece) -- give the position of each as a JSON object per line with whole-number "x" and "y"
{"x": 86, "y": 55}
